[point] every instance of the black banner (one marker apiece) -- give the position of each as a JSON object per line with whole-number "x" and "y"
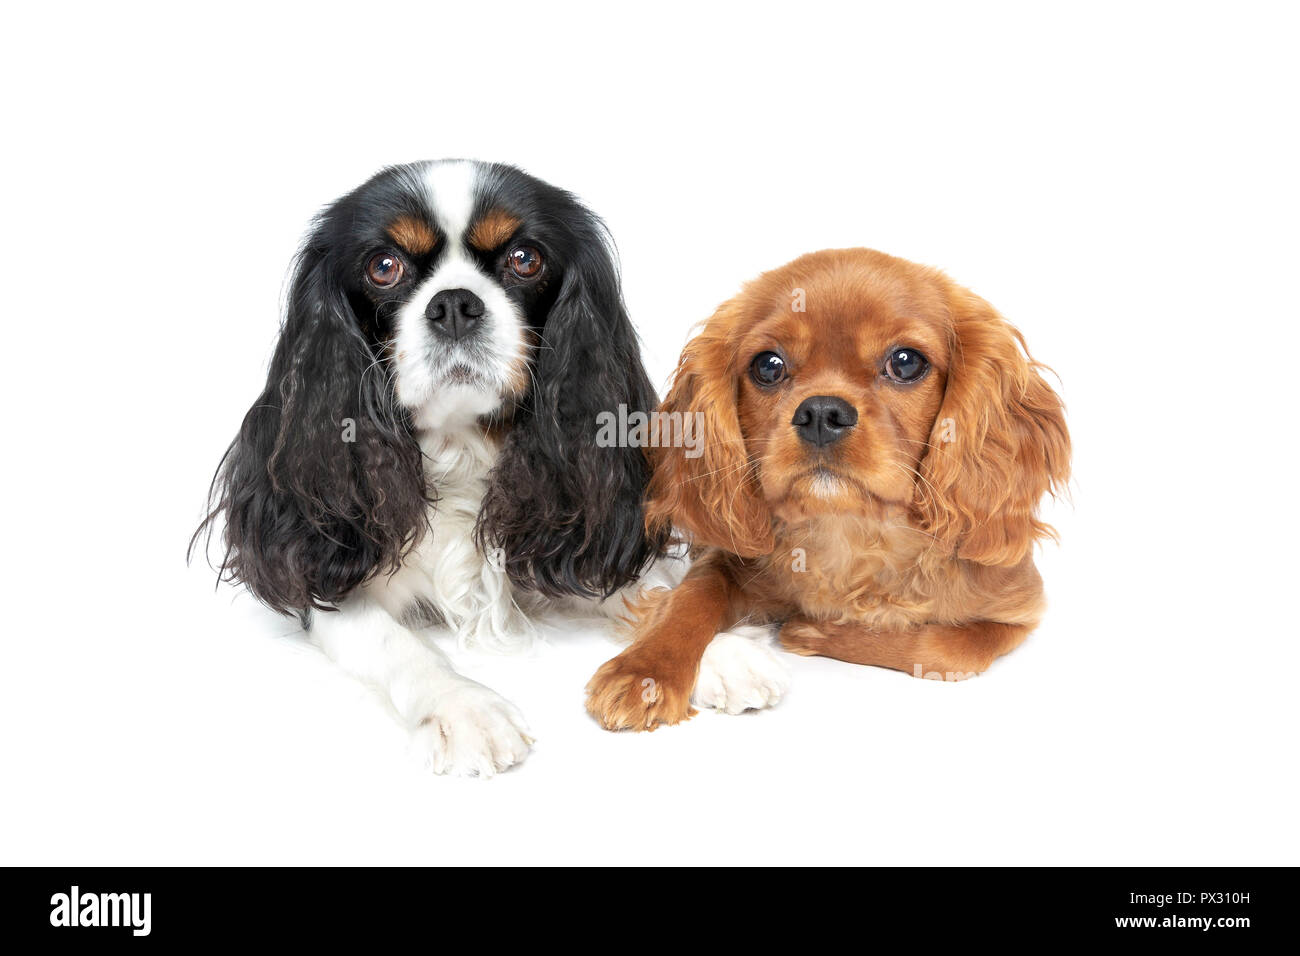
{"x": 1175, "y": 907}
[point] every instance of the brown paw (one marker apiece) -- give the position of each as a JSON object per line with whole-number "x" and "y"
{"x": 632, "y": 693}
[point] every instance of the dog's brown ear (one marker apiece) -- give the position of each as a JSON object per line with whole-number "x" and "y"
{"x": 999, "y": 442}
{"x": 708, "y": 487}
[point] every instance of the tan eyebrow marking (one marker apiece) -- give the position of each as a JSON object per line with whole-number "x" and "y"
{"x": 493, "y": 229}
{"x": 413, "y": 235}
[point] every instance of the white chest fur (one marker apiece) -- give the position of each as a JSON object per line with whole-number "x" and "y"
{"x": 446, "y": 576}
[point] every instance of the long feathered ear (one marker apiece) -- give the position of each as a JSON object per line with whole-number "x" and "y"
{"x": 565, "y": 510}
{"x": 999, "y": 442}
{"x": 710, "y": 490}
{"x": 323, "y": 487}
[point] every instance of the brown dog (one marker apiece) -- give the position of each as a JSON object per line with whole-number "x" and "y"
{"x": 876, "y": 445}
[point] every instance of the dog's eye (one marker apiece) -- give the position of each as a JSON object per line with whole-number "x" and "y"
{"x": 384, "y": 269}
{"x": 906, "y": 365}
{"x": 525, "y": 261}
{"x": 768, "y": 368}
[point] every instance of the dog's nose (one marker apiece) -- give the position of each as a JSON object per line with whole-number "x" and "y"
{"x": 454, "y": 312}
{"x": 823, "y": 419}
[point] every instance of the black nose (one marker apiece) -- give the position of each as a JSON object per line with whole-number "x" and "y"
{"x": 454, "y": 312}
{"x": 823, "y": 419}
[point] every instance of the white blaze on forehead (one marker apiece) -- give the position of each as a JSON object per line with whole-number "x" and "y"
{"x": 451, "y": 197}
{"x": 424, "y": 361}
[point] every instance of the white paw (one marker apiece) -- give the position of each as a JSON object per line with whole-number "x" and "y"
{"x": 740, "y": 671}
{"x": 471, "y": 731}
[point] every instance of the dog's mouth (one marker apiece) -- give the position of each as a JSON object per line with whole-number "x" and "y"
{"x": 829, "y": 483}
{"x": 462, "y": 374}
{"x": 825, "y": 490}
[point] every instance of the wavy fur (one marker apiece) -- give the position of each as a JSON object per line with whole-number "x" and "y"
{"x": 980, "y": 493}
{"x": 566, "y": 512}
{"x": 309, "y": 517}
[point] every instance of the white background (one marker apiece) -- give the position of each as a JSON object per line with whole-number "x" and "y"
{"x": 1119, "y": 180}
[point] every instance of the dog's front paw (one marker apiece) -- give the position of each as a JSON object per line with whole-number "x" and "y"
{"x": 635, "y": 692}
{"x": 472, "y": 731}
{"x": 740, "y": 672}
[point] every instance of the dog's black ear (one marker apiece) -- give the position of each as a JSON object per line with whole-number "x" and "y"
{"x": 565, "y": 512}
{"x": 323, "y": 486}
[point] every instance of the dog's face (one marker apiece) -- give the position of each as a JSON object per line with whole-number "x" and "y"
{"x": 851, "y": 382}
{"x": 473, "y": 302}
{"x": 452, "y": 268}
{"x": 837, "y": 401}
